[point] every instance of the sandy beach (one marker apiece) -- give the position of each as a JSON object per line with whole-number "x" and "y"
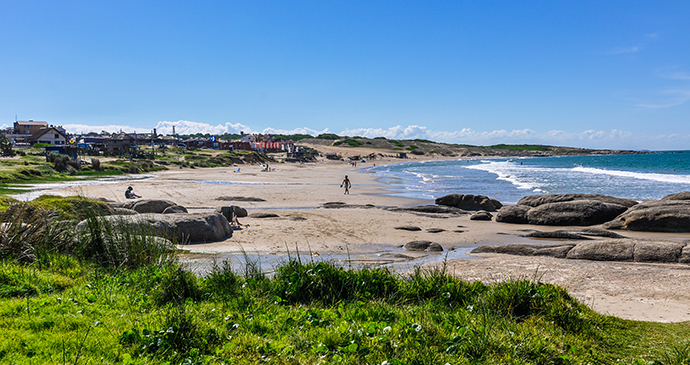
{"x": 364, "y": 233}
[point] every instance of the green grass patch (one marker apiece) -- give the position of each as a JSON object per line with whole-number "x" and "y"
{"x": 348, "y": 141}
{"x": 521, "y": 147}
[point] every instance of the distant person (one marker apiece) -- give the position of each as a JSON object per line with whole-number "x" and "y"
{"x": 129, "y": 193}
{"x": 346, "y": 184}
{"x": 234, "y": 221}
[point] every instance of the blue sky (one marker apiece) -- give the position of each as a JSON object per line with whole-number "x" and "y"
{"x": 612, "y": 74}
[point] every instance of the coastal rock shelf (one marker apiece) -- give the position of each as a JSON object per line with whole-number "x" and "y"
{"x": 670, "y": 214}
{"x": 604, "y": 250}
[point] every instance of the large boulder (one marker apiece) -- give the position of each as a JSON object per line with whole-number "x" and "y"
{"x": 469, "y": 202}
{"x": 656, "y": 251}
{"x": 513, "y": 214}
{"x": 655, "y": 216}
{"x": 148, "y": 205}
{"x": 183, "y": 227}
{"x": 574, "y": 213}
{"x": 537, "y": 200}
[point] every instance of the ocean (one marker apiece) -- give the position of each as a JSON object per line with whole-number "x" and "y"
{"x": 639, "y": 176}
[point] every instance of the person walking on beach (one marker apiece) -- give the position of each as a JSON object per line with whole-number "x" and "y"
{"x": 346, "y": 183}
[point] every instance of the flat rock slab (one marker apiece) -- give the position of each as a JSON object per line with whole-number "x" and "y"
{"x": 408, "y": 228}
{"x": 553, "y": 250}
{"x": 264, "y": 215}
{"x": 559, "y": 234}
{"x": 432, "y": 209}
{"x": 240, "y": 199}
{"x": 435, "y": 230}
{"x": 604, "y": 250}
{"x": 574, "y": 213}
{"x": 541, "y": 199}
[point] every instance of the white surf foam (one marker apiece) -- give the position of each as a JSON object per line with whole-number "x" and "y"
{"x": 666, "y": 178}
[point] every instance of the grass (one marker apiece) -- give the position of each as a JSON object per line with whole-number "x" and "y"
{"x": 117, "y": 295}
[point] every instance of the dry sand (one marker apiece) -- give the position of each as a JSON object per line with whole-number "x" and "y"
{"x": 650, "y": 292}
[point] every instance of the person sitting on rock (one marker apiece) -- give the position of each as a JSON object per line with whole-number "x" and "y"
{"x": 129, "y": 193}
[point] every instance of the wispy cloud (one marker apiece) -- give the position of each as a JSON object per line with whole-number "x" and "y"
{"x": 670, "y": 98}
{"x": 623, "y": 50}
{"x": 673, "y": 73}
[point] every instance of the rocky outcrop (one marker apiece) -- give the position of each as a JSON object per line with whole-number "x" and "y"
{"x": 481, "y": 215}
{"x": 574, "y": 213}
{"x": 182, "y": 227}
{"x": 604, "y": 250}
{"x": 513, "y": 214}
{"x": 122, "y": 211}
{"x": 537, "y": 200}
{"x": 685, "y": 195}
{"x": 423, "y": 246}
{"x": 148, "y": 205}
{"x": 264, "y": 215}
{"x": 655, "y": 216}
{"x": 579, "y": 234}
{"x": 553, "y": 250}
{"x": 469, "y": 202}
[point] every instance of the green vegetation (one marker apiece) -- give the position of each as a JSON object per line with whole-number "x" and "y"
{"x": 328, "y": 136}
{"x": 348, "y": 141}
{"x": 522, "y": 147}
{"x": 110, "y": 295}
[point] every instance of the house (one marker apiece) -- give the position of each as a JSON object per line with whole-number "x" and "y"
{"x": 49, "y": 135}
{"x": 29, "y": 127}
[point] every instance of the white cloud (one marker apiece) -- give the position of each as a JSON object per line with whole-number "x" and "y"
{"x": 613, "y": 139}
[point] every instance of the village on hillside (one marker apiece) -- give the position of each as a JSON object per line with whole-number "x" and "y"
{"x": 56, "y": 139}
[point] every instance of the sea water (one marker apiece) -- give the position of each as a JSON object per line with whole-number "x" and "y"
{"x": 639, "y": 177}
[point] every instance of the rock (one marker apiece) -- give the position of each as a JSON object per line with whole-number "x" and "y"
{"x": 559, "y": 252}
{"x": 685, "y": 255}
{"x": 434, "y": 209}
{"x": 298, "y": 219}
{"x": 148, "y": 205}
{"x": 469, "y": 202}
{"x": 434, "y": 247}
{"x": 656, "y": 251}
{"x": 423, "y": 246}
{"x": 685, "y": 195}
{"x": 481, "y": 215}
{"x": 435, "y": 230}
{"x": 183, "y": 227}
{"x": 598, "y": 233}
{"x": 559, "y": 234}
{"x": 655, "y": 216}
{"x": 554, "y": 250}
{"x": 408, "y": 228}
{"x": 264, "y": 215}
{"x": 240, "y": 199}
{"x": 537, "y": 200}
{"x": 608, "y": 250}
{"x": 574, "y": 213}
{"x": 513, "y": 214}
{"x": 226, "y": 211}
{"x": 175, "y": 209}
{"x": 122, "y": 211}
